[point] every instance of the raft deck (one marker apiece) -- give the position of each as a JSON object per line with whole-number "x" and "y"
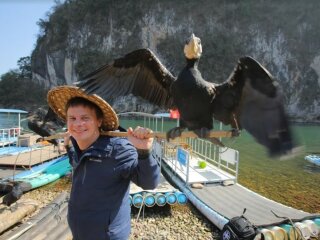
{"x": 230, "y": 201}
{"x": 221, "y": 195}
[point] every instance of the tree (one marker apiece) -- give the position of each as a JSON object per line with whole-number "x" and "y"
{"x": 24, "y": 64}
{"x": 17, "y": 90}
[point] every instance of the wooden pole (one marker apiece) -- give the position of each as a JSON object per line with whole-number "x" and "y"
{"x": 190, "y": 134}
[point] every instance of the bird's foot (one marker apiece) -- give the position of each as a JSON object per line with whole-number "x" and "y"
{"x": 205, "y": 133}
{"x": 174, "y": 133}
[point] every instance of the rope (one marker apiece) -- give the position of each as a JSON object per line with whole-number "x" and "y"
{"x": 141, "y": 207}
{"x": 235, "y": 121}
{"x": 230, "y": 145}
{"x": 233, "y": 134}
{"x": 291, "y": 222}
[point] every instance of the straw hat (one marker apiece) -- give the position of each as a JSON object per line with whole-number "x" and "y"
{"x": 59, "y": 96}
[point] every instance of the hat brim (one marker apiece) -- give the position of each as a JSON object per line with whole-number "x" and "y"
{"x": 59, "y": 96}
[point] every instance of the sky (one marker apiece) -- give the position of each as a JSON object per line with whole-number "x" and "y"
{"x": 19, "y": 29}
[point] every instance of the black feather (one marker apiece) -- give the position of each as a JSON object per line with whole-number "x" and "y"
{"x": 45, "y": 123}
{"x": 251, "y": 99}
{"x": 139, "y": 72}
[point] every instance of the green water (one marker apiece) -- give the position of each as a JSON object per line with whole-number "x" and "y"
{"x": 293, "y": 182}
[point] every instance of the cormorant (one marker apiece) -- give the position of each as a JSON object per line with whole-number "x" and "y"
{"x": 250, "y": 98}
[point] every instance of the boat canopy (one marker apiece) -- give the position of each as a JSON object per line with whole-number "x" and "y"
{"x": 8, "y": 112}
{"x": 162, "y": 115}
{"x": 5, "y": 110}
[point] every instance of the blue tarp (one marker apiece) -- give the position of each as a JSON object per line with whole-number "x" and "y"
{"x": 12, "y": 150}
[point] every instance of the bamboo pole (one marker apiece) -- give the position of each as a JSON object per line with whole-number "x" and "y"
{"x": 190, "y": 134}
{"x": 8, "y": 217}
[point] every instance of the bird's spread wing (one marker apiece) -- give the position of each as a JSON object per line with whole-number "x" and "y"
{"x": 139, "y": 73}
{"x": 252, "y": 100}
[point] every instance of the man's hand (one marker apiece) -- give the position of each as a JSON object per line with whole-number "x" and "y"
{"x": 140, "y": 137}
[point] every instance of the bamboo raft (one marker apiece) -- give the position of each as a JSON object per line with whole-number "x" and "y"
{"x": 49, "y": 223}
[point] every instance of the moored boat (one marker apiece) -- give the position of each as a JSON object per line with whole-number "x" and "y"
{"x": 37, "y": 176}
{"x": 314, "y": 159}
{"x": 10, "y": 128}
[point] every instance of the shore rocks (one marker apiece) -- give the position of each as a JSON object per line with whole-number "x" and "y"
{"x": 171, "y": 222}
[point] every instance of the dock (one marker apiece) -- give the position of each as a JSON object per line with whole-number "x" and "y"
{"x": 27, "y": 153}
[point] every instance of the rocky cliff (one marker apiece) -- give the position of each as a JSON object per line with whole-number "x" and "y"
{"x": 81, "y": 35}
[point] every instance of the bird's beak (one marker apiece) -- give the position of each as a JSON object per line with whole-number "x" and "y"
{"x": 191, "y": 39}
{"x": 192, "y": 48}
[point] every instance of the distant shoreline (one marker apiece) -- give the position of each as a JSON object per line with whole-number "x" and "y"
{"x": 316, "y": 123}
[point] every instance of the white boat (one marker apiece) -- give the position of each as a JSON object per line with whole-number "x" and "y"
{"x": 313, "y": 158}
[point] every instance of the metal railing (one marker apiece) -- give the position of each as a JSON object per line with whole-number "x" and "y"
{"x": 224, "y": 160}
{"x": 9, "y": 135}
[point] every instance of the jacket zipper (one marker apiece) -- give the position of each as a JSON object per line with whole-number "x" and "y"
{"x": 85, "y": 171}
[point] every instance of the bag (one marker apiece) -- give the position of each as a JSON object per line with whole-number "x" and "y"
{"x": 238, "y": 228}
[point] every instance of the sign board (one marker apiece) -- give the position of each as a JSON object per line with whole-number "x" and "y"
{"x": 229, "y": 155}
{"x": 182, "y": 156}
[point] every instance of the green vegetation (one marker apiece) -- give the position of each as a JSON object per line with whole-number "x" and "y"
{"x": 17, "y": 90}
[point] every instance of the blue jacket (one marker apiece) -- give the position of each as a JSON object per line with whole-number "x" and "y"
{"x": 99, "y": 201}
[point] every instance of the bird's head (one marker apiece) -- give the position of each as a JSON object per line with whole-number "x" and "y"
{"x": 193, "y": 47}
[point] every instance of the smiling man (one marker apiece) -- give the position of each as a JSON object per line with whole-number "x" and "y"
{"x": 103, "y": 166}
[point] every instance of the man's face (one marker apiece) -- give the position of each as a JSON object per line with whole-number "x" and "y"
{"x": 83, "y": 125}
